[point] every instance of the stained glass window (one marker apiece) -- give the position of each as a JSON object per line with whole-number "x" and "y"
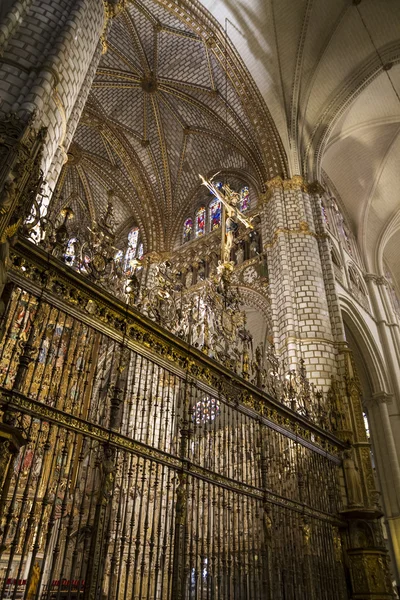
{"x": 244, "y": 198}
{"x": 201, "y": 221}
{"x": 366, "y": 425}
{"x": 140, "y": 251}
{"x": 215, "y": 214}
{"x": 70, "y": 253}
{"x": 324, "y": 214}
{"x": 133, "y": 239}
{"x": 187, "y": 230}
{"x": 206, "y": 410}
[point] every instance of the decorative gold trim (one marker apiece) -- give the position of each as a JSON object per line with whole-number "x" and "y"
{"x": 33, "y": 265}
{"x": 296, "y": 183}
{"x": 302, "y": 230}
{"x": 110, "y": 10}
{"x": 13, "y": 400}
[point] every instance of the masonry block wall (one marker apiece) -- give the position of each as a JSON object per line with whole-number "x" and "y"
{"x": 303, "y": 311}
{"x": 47, "y": 49}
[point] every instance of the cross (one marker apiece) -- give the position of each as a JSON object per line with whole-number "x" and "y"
{"x": 230, "y": 213}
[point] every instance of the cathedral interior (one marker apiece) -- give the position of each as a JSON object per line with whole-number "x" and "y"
{"x": 199, "y": 299}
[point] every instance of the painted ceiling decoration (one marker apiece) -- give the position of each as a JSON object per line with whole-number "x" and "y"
{"x": 162, "y": 110}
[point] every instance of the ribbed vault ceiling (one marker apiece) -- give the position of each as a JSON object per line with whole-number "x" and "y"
{"x": 161, "y": 110}
{"x": 157, "y": 114}
{"x": 319, "y": 67}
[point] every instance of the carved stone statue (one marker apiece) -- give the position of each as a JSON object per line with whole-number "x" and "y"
{"x": 239, "y": 255}
{"x": 254, "y": 246}
{"x": 7, "y": 196}
{"x": 352, "y": 478}
{"x": 201, "y": 271}
{"x": 267, "y": 525}
{"x": 306, "y": 533}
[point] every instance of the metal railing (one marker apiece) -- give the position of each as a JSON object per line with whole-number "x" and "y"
{"x": 151, "y": 471}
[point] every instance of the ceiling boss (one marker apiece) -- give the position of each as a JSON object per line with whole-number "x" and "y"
{"x": 230, "y": 217}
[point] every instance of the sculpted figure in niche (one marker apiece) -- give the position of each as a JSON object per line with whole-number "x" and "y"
{"x": 240, "y": 254}
{"x": 254, "y": 244}
{"x": 189, "y": 278}
{"x": 8, "y": 238}
{"x": 352, "y": 478}
{"x": 213, "y": 264}
{"x": 7, "y": 196}
{"x": 201, "y": 271}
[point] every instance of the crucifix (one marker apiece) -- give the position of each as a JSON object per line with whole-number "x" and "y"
{"x": 230, "y": 217}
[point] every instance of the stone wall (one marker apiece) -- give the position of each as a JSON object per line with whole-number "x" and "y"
{"x": 301, "y": 301}
{"x": 48, "y": 57}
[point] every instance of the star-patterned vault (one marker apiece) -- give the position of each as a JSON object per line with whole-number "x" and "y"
{"x": 162, "y": 109}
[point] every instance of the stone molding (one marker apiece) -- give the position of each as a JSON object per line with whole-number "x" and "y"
{"x": 296, "y": 183}
{"x": 377, "y": 279}
{"x": 378, "y": 398}
{"x": 302, "y": 230}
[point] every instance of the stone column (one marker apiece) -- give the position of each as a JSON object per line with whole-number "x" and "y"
{"x": 49, "y": 57}
{"x": 388, "y": 469}
{"x": 308, "y": 325}
{"x": 302, "y": 310}
{"x": 389, "y": 335}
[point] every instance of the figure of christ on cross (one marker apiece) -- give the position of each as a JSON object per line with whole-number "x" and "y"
{"x": 230, "y": 215}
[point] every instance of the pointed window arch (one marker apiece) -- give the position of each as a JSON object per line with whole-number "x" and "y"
{"x": 215, "y": 213}
{"x": 134, "y": 250}
{"x": 200, "y": 223}
{"x": 244, "y": 198}
{"x": 188, "y": 230}
{"x": 70, "y": 252}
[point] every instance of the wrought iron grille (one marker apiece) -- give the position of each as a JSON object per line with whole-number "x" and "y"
{"x": 140, "y": 480}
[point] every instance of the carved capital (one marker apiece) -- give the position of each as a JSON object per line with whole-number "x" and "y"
{"x": 379, "y": 398}
{"x": 377, "y": 279}
{"x": 276, "y": 183}
{"x": 111, "y": 9}
{"x": 296, "y": 183}
{"x": 316, "y": 188}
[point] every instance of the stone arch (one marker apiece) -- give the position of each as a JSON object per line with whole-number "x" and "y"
{"x": 258, "y": 313}
{"x": 362, "y": 535}
{"x": 367, "y": 72}
{"x": 368, "y": 359}
{"x": 336, "y": 257}
{"x": 356, "y": 279}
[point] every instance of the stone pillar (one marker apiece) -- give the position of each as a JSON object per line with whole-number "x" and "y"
{"x": 308, "y": 325}
{"x": 302, "y": 314}
{"x": 388, "y": 470}
{"x": 367, "y": 555}
{"x": 49, "y": 57}
{"x": 389, "y": 334}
